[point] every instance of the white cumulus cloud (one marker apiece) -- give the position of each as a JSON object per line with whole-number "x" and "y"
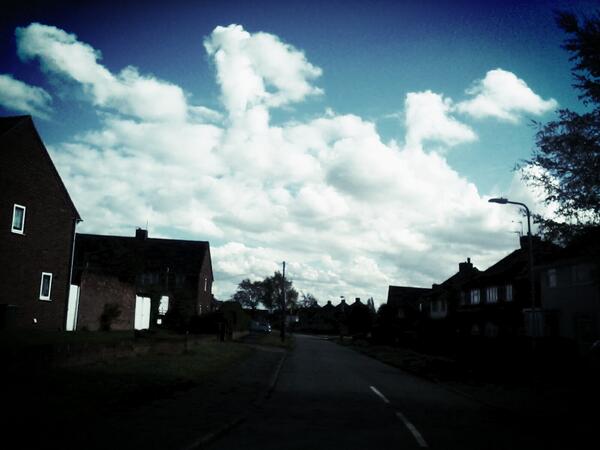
{"x": 18, "y": 96}
{"x": 428, "y": 118}
{"x": 259, "y": 69}
{"x": 501, "y": 94}
{"x": 59, "y": 52}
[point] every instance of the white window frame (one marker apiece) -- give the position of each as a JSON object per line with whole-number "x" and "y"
{"x": 12, "y": 224}
{"x": 492, "y": 294}
{"x": 552, "y": 278}
{"x": 508, "y": 293}
{"x": 42, "y": 296}
{"x": 475, "y": 297}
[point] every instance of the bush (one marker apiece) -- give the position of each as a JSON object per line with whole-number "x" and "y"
{"x": 109, "y": 314}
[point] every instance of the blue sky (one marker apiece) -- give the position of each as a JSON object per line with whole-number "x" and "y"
{"x": 359, "y": 141}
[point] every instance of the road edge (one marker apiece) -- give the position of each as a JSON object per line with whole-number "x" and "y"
{"x": 214, "y": 435}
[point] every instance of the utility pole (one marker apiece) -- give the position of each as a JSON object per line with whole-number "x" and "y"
{"x": 283, "y": 306}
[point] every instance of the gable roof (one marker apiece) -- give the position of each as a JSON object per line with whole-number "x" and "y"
{"x": 515, "y": 264}
{"x": 401, "y": 296}
{"x": 127, "y": 256}
{"x": 11, "y": 123}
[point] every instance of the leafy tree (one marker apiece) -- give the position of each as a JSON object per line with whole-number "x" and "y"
{"x": 273, "y": 292}
{"x": 566, "y": 161}
{"x": 269, "y": 292}
{"x": 308, "y": 301}
{"x": 249, "y": 293}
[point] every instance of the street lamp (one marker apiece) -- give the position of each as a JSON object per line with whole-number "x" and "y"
{"x": 504, "y": 201}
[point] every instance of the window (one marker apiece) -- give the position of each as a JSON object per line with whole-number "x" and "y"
{"x": 205, "y": 284}
{"x": 474, "y": 296}
{"x": 492, "y": 294}
{"x": 18, "y": 221}
{"x": 509, "y": 293}
{"x": 582, "y": 273}
{"x": 552, "y": 278}
{"x": 463, "y": 298}
{"x": 45, "y": 286}
{"x": 163, "y": 307}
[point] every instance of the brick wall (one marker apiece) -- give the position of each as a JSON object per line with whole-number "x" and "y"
{"x": 98, "y": 290}
{"x": 27, "y": 178}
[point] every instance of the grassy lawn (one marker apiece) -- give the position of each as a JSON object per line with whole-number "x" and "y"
{"x": 272, "y": 339}
{"x": 428, "y": 366}
{"x": 31, "y": 338}
{"x": 121, "y": 383}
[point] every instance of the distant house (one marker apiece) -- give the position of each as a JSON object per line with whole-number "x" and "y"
{"x": 570, "y": 291}
{"x": 495, "y": 302}
{"x": 37, "y": 231}
{"x": 442, "y": 301}
{"x": 141, "y": 282}
{"x": 406, "y": 301}
{"x": 406, "y": 304}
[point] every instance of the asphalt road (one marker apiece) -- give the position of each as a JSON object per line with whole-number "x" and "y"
{"x": 331, "y": 397}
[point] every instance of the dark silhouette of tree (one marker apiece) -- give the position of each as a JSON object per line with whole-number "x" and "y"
{"x": 566, "y": 160}
{"x": 273, "y": 289}
{"x": 308, "y": 301}
{"x": 249, "y": 293}
{"x": 269, "y": 292}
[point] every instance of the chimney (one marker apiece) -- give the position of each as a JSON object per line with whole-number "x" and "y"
{"x": 141, "y": 234}
{"x": 465, "y": 266}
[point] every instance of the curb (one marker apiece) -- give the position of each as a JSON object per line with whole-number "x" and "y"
{"x": 212, "y": 436}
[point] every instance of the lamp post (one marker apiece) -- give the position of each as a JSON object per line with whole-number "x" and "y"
{"x": 504, "y": 201}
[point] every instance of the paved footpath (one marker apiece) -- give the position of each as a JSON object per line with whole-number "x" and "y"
{"x": 330, "y": 397}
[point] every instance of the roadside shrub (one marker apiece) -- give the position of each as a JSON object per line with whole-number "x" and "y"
{"x": 110, "y": 313}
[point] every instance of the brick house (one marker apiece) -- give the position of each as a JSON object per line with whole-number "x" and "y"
{"x": 405, "y": 304}
{"x": 495, "y": 302}
{"x": 37, "y": 230}
{"x": 442, "y": 302}
{"x": 570, "y": 291}
{"x": 141, "y": 282}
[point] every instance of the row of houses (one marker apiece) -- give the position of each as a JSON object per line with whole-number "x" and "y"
{"x": 497, "y": 303}
{"x": 57, "y": 279}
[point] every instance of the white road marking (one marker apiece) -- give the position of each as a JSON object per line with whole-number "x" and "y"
{"x": 374, "y": 389}
{"x": 412, "y": 429}
{"x": 407, "y": 423}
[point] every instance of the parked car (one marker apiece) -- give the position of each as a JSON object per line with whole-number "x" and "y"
{"x": 260, "y": 327}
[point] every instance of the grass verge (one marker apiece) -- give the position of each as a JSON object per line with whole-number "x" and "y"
{"x": 121, "y": 383}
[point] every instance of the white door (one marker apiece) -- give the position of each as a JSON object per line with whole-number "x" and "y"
{"x": 142, "y": 313}
{"x": 72, "y": 308}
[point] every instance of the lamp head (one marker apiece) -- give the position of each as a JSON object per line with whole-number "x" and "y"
{"x": 500, "y": 200}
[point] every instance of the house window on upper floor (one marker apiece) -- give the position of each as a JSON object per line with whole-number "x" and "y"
{"x": 475, "y": 297}
{"x": 509, "y": 293}
{"x": 582, "y": 273}
{"x": 45, "y": 286}
{"x": 205, "y": 284}
{"x": 463, "y": 298}
{"x": 552, "y": 280}
{"x": 18, "y": 220}
{"x": 492, "y": 295}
